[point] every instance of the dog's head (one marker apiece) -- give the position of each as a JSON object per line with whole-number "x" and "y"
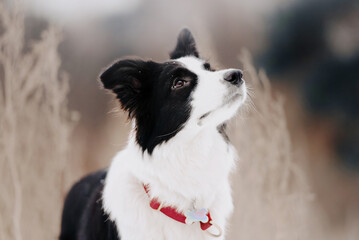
{"x": 184, "y": 92}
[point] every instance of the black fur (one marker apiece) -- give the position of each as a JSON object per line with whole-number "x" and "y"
{"x": 222, "y": 130}
{"x": 186, "y": 46}
{"x": 145, "y": 90}
{"x": 83, "y": 217}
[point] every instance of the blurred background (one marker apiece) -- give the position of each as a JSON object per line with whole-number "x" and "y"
{"x": 304, "y": 120}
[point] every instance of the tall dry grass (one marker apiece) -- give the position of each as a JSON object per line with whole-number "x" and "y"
{"x": 271, "y": 193}
{"x": 35, "y": 126}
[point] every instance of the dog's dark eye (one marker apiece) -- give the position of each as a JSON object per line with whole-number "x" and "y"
{"x": 207, "y": 66}
{"x": 178, "y": 83}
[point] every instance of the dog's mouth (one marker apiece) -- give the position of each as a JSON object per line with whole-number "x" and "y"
{"x": 235, "y": 95}
{"x": 231, "y": 99}
{"x": 228, "y": 101}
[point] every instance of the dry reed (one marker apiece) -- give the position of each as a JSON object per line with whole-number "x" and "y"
{"x": 35, "y": 126}
{"x": 271, "y": 194}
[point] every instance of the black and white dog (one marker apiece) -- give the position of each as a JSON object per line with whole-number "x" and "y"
{"x": 172, "y": 179}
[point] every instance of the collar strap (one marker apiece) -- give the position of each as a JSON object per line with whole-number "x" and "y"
{"x": 203, "y": 216}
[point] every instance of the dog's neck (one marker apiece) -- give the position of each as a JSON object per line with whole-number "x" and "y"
{"x": 190, "y": 171}
{"x": 187, "y": 170}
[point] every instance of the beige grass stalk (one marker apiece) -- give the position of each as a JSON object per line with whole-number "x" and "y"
{"x": 270, "y": 191}
{"x": 35, "y": 126}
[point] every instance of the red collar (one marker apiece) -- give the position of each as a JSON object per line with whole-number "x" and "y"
{"x": 203, "y": 216}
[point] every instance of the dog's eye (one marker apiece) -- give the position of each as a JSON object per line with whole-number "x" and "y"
{"x": 178, "y": 83}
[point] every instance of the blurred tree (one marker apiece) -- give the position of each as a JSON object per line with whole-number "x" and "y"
{"x": 315, "y": 45}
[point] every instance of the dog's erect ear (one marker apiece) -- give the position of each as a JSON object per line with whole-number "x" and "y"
{"x": 186, "y": 46}
{"x": 128, "y": 79}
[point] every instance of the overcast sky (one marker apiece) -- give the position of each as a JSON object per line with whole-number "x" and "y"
{"x": 65, "y": 11}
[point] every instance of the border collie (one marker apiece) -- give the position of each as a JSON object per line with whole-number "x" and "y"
{"x": 171, "y": 181}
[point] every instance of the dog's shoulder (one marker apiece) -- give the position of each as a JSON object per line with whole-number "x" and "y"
{"x": 95, "y": 223}
{"x": 83, "y": 216}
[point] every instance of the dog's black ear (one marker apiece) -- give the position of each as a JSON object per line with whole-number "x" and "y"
{"x": 128, "y": 79}
{"x": 186, "y": 46}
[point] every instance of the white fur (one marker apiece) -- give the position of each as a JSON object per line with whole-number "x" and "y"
{"x": 190, "y": 171}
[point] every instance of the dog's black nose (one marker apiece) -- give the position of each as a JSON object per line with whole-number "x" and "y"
{"x": 234, "y": 77}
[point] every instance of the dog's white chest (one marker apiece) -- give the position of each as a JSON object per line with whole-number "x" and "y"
{"x": 195, "y": 182}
